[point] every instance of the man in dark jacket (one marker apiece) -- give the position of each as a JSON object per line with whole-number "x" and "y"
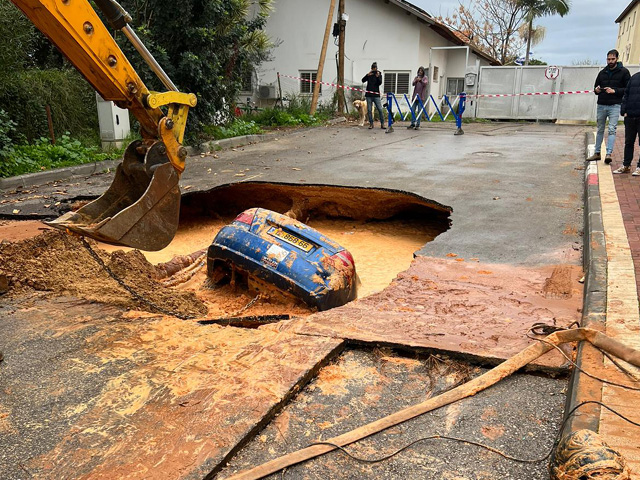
{"x": 630, "y": 110}
{"x": 609, "y": 86}
{"x": 373, "y": 79}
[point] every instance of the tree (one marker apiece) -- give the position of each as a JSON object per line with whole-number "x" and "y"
{"x": 491, "y": 26}
{"x": 205, "y": 46}
{"x": 501, "y": 28}
{"x": 541, "y": 8}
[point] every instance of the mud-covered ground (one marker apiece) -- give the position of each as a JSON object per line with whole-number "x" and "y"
{"x": 364, "y": 385}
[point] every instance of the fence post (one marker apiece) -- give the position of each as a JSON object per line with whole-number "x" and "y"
{"x": 462, "y": 104}
{"x": 389, "y": 112}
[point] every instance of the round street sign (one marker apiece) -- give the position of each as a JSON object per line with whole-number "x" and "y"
{"x": 552, "y": 72}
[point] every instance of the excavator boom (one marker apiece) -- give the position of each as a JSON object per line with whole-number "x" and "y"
{"x": 141, "y": 207}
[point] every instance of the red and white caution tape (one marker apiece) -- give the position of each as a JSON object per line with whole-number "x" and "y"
{"x": 489, "y": 95}
{"x": 328, "y": 84}
{"x": 493, "y": 95}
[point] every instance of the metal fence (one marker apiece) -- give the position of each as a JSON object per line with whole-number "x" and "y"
{"x": 453, "y": 107}
{"x": 563, "y": 98}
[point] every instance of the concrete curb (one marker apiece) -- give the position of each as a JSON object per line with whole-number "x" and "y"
{"x": 47, "y": 176}
{"x": 581, "y": 387}
{"x": 30, "y": 179}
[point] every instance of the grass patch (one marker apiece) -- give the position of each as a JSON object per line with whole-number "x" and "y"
{"x": 43, "y": 155}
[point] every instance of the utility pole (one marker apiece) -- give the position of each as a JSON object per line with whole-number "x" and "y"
{"x": 342, "y": 24}
{"x": 316, "y": 86}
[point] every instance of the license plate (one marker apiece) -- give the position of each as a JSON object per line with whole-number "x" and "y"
{"x": 290, "y": 239}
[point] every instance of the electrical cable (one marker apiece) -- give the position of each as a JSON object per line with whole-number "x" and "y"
{"x": 481, "y": 445}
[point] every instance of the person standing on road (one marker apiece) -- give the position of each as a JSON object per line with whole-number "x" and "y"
{"x": 373, "y": 79}
{"x": 419, "y": 90}
{"x": 610, "y": 85}
{"x": 630, "y": 110}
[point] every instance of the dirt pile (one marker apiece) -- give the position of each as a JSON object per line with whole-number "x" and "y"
{"x": 59, "y": 263}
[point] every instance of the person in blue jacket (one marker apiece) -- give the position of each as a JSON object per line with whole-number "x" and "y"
{"x": 373, "y": 79}
{"x": 609, "y": 86}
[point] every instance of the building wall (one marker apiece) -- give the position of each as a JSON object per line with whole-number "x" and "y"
{"x": 376, "y": 31}
{"x": 629, "y": 36}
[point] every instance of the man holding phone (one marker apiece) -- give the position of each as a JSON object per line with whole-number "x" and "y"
{"x": 373, "y": 79}
{"x": 609, "y": 86}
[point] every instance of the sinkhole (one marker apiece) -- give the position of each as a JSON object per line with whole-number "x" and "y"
{"x": 381, "y": 228}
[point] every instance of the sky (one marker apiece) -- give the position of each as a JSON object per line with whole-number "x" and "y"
{"x": 588, "y": 32}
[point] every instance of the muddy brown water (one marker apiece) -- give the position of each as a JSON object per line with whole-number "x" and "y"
{"x": 385, "y": 230}
{"x": 380, "y": 249}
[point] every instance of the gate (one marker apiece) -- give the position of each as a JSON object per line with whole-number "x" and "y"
{"x": 517, "y": 82}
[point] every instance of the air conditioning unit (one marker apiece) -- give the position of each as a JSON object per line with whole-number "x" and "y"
{"x": 267, "y": 91}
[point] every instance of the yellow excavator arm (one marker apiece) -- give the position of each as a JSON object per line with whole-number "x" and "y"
{"x": 141, "y": 207}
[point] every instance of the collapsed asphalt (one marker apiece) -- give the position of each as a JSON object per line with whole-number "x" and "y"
{"x": 515, "y": 190}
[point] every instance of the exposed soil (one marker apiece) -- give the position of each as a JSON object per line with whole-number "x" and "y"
{"x": 59, "y": 263}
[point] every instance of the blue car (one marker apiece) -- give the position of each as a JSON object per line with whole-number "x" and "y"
{"x": 288, "y": 254}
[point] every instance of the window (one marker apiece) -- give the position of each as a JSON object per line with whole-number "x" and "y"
{"x": 397, "y": 82}
{"x": 247, "y": 81}
{"x": 435, "y": 74}
{"x": 455, "y": 86}
{"x": 306, "y": 85}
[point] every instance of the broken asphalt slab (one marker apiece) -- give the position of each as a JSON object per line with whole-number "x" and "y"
{"x": 86, "y": 392}
{"x": 481, "y": 313}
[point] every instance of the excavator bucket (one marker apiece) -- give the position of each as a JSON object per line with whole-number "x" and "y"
{"x": 140, "y": 209}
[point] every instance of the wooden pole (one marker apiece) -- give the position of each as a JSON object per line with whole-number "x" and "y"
{"x": 323, "y": 53}
{"x": 343, "y": 25}
{"x": 280, "y": 93}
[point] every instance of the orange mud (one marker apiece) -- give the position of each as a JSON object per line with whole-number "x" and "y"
{"x": 14, "y": 231}
{"x": 59, "y": 263}
{"x": 381, "y": 250}
{"x": 191, "y": 236}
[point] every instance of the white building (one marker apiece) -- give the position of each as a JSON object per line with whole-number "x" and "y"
{"x": 397, "y": 35}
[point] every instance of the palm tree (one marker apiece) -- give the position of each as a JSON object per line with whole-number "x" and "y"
{"x": 531, "y": 35}
{"x": 541, "y": 8}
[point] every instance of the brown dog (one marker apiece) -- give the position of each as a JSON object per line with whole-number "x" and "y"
{"x": 361, "y": 106}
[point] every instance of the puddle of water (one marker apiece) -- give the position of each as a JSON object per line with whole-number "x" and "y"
{"x": 381, "y": 250}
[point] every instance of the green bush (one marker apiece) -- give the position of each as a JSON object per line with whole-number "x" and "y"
{"x": 273, "y": 117}
{"x": 237, "y": 128}
{"x": 7, "y": 134}
{"x": 42, "y": 155}
{"x": 24, "y": 94}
